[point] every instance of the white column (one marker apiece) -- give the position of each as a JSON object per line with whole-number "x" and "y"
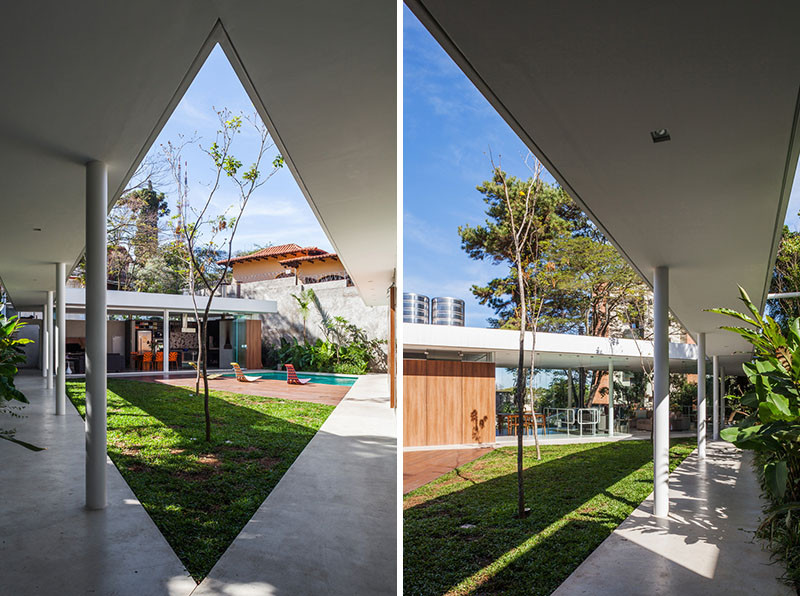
{"x": 715, "y": 404}
{"x": 61, "y": 347}
{"x": 96, "y": 331}
{"x": 610, "y": 398}
{"x": 721, "y": 398}
{"x": 661, "y": 391}
{"x": 48, "y": 323}
{"x": 166, "y": 343}
{"x": 45, "y": 343}
{"x": 701, "y": 395}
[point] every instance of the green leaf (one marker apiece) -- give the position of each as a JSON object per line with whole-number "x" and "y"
{"x": 776, "y": 474}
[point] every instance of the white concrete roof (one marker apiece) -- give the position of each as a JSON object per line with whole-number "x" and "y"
{"x": 95, "y": 80}
{"x": 143, "y": 302}
{"x": 583, "y": 85}
{"x": 553, "y": 350}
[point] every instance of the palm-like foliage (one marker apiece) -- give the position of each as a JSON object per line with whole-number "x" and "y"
{"x": 11, "y": 355}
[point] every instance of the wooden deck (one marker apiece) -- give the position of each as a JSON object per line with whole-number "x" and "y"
{"x": 421, "y": 467}
{"x": 313, "y": 392}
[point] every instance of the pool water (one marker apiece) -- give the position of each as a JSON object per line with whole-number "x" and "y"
{"x": 322, "y": 378}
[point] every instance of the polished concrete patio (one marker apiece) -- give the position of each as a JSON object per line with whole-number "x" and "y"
{"x": 705, "y": 547}
{"x": 329, "y": 526}
{"x": 49, "y": 543}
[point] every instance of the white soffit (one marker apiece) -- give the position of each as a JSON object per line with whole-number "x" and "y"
{"x": 553, "y": 350}
{"x": 98, "y": 80}
{"x": 583, "y": 85}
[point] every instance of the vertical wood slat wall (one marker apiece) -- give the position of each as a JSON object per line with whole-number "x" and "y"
{"x": 448, "y": 402}
{"x": 253, "y": 338}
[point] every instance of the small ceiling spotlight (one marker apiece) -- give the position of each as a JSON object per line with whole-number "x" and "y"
{"x": 660, "y": 135}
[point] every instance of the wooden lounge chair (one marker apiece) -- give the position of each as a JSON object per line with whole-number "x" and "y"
{"x": 241, "y": 377}
{"x": 210, "y": 377}
{"x": 291, "y": 376}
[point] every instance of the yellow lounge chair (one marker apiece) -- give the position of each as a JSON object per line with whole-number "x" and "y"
{"x": 241, "y": 377}
{"x": 210, "y": 377}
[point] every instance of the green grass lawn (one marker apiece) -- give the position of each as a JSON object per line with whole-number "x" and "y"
{"x": 459, "y": 536}
{"x": 200, "y": 495}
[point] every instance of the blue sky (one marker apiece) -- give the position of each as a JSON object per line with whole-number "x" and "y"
{"x": 448, "y": 129}
{"x": 277, "y": 213}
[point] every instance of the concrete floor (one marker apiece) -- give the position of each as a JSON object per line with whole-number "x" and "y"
{"x": 49, "y": 543}
{"x": 330, "y": 525}
{"x": 705, "y": 547}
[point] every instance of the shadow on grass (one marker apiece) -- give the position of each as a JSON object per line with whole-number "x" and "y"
{"x": 466, "y": 541}
{"x": 200, "y": 495}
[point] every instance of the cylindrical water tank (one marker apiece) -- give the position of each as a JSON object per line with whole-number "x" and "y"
{"x": 447, "y": 311}
{"x": 416, "y": 308}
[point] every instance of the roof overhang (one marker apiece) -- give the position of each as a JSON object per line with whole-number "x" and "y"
{"x": 553, "y": 350}
{"x": 583, "y": 85}
{"x": 146, "y": 303}
{"x": 94, "y": 80}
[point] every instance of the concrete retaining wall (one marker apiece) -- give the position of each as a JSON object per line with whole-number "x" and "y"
{"x": 334, "y": 298}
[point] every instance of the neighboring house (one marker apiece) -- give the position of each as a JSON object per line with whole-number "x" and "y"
{"x": 279, "y": 272}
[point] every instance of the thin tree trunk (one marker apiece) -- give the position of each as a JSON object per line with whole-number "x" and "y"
{"x": 204, "y": 368}
{"x": 533, "y": 409}
{"x": 520, "y": 391}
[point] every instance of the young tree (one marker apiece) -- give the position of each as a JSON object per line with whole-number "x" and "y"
{"x": 206, "y": 238}
{"x": 522, "y": 215}
{"x": 304, "y": 301}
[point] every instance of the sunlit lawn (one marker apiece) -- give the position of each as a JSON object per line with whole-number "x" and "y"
{"x": 200, "y": 495}
{"x": 460, "y": 537}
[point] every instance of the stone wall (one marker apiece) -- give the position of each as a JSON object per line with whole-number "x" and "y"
{"x": 334, "y": 298}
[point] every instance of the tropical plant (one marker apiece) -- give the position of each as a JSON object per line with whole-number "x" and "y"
{"x": 347, "y": 349}
{"x": 770, "y": 423}
{"x": 11, "y": 355}
{"x": 304, "y": 301}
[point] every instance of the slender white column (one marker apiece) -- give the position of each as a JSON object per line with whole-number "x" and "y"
{"x": 701, "y": 395}
{"x": 722, "y": 393}
{"x": 61, "y": 348}
{"x": 48, "y": 323}
{"x": 45, "y": 343}
{"x": 715, "y": 404}
{"x": 96, "y": 331}
{"x": 661, "y": 392}
{"x": 610, "y": 398}
{"x": 166, "y": 343}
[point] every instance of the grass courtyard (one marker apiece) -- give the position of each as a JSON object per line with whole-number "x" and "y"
{"x": 459, "y": 536}
{"x": 200, "y": 495}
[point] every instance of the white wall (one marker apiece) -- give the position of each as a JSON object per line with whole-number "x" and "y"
{"x": 334, "y": 299}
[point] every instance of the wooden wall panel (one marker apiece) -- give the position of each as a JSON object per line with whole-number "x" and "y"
{"x": 253, "y": 338}
{"x": 444, "y": 403}
{"x": 478, "y": 390}
{"x": 414, "y": 403}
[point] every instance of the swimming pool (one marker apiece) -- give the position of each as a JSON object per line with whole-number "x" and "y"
{"x": 322, "y": 378}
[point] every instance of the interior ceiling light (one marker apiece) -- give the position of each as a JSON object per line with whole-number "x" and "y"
{"x": 660, "y": 135}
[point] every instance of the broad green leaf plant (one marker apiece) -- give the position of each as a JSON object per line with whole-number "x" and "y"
{"x": 771, "y": 406}
{"x": 770, "y": 426}
{"x": 11, "y": 355}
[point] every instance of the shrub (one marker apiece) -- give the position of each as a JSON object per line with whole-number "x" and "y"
{"x": 346, "y": 349}
{"x": 770, "y": 426}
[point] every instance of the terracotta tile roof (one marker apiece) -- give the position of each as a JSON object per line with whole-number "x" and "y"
{"x": 293, "y": 262}
{"x": 282, "y": 250}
